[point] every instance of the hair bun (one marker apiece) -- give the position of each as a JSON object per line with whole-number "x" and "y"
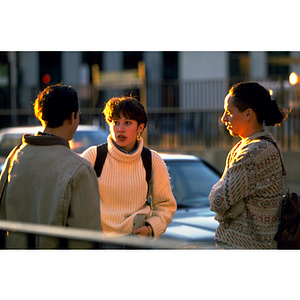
{"x": 273, "y": 114}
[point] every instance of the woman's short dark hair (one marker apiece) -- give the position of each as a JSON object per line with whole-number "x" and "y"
{"x": 55, "y": 104}
{"x": 129, "y": 106}
{"x": 253, "y": 95}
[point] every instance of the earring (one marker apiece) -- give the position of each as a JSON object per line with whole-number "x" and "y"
{"x": 139, "y": 137}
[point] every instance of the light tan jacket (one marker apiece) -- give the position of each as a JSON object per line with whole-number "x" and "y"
{"x": 50, "y": 184}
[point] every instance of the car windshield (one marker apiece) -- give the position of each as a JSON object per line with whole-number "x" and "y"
{"x": 84, "y": 139}
{"x": 81, "y": 141}
{"x": 191, "y": 182}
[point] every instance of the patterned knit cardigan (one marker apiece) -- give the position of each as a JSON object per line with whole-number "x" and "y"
{"x": 247, "y": 197}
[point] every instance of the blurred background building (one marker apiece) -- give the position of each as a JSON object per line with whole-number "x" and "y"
{"x": 183, "y": 91}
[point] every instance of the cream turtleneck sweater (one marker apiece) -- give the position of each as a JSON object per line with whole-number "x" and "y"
{"x": 123, "y": 190}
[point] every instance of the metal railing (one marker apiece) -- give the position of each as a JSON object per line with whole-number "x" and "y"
{"x": 170, "y": 129}
{"x": 183, "y": 115}
{"x": 97, "y": 239}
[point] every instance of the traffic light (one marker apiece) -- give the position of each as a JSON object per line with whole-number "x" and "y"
{"x": 46, "y": 78}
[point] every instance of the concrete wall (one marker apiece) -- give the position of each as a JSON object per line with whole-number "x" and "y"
{"x": 29, "y": 68}
{"x": 291, "y": 162}
{"x": 70, "y": 66}
{"x": 203, "y": 65}
{"x": 258, "y": 65}
{"x": 218, "y": 157}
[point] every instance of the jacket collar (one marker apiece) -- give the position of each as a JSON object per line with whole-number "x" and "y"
{"x": 44, "y": 140}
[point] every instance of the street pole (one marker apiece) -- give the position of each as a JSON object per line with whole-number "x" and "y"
{"x": 143, "y": 94}
{"x": 12, "y": 57}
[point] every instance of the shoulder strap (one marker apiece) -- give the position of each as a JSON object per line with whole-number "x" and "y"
{"x": 100, "y": 158}
{"x": 6, "y": 171}
{"x": 147, "y": 162}
{"x": 271, "y": 141}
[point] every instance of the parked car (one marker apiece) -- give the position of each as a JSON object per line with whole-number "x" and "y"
{"x": 191, "y": 181}
{"x": 84, "y": 137}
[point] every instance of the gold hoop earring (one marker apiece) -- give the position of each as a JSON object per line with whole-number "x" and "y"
{"x": 139, "y": 137}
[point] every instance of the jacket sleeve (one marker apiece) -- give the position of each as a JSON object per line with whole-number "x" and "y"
{"x": 237, "y": 183}
{"x": 84, "y": 200}
{"x": 6, "y": 166}
{"x": 163, "y": 202}
{"x": 90, "y": 154}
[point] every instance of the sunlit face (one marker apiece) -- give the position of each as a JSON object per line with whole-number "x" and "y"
{"x": 124, "y": 132}
{"x": 234, "y": 119}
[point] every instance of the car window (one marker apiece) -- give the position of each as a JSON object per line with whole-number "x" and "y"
{"x": 84, "y": 139}
{"x": 191, "y": 182}
{"x": 81, "y": 141}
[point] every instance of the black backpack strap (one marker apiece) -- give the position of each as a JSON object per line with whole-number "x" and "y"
{"x": 100, "y": 158}
{"x": 147, "y": 162}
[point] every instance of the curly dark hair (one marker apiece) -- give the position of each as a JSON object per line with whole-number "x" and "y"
{"x": 129, "y": 106}
{"x": 55, "y": 104}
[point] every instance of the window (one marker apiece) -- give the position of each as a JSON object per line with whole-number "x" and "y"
{"x": 170, "y": 65}
{"x": 278, "y": 64}
{"x": 50, "y": 67}
{"x": 238, "y": 65}
{"x": 131, "y": 59}
{"x": 90, "y": 58}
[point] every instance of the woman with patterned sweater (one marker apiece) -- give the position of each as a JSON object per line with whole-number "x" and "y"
{"x": 122, "y": 185}
{"x": 247, "y": 198}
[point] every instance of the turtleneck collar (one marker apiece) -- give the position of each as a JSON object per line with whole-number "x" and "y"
{"x": 124, "y": 151}
{"x": 122, "y": 155}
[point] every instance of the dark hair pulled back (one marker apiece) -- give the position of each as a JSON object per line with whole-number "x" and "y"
{"x": 253, "y": 95}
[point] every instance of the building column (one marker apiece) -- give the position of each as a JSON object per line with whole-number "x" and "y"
{"x": 112, "y": 61}
{"x": 29, "y": 68}
{"x": 70, "y": 65}
{"x": 295, "y": 66}
{"x": 258, "y": 65}
{"x": 154, "y": 65}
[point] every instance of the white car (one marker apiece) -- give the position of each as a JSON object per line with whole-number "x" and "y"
{"x": 84, "y": 137}
{"x": 191, "y": 180}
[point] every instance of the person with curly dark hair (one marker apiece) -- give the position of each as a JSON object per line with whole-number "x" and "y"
{"x": 122, "y": 184}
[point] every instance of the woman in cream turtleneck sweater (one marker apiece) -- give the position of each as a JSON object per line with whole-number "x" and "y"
{"x": 122, "y": 184}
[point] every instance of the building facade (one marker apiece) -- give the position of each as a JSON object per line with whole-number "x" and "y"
{"x": 188, "y": 80}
